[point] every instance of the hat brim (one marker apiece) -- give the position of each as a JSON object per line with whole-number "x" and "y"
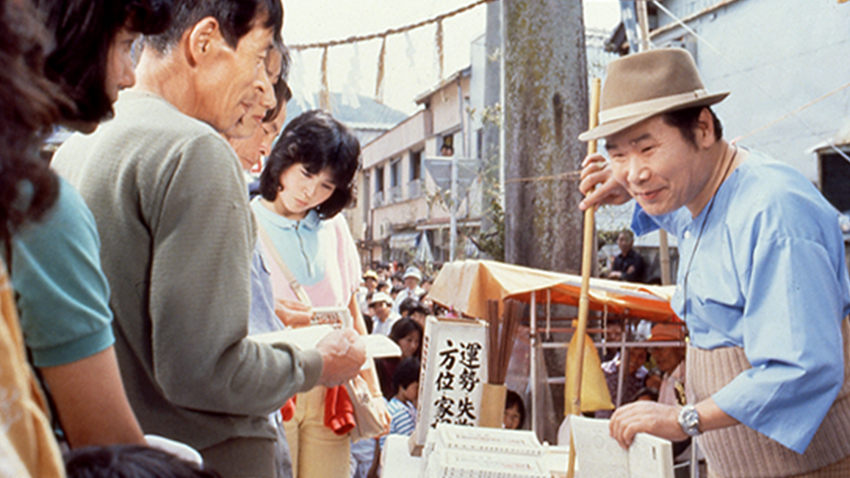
{"x": 618, "y": 125}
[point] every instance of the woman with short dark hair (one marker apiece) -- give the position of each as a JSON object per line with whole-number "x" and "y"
{"x": 91, "y": 58}
{"x": 306, "y": 182}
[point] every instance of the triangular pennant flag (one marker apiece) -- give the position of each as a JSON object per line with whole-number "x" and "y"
{"x": 594, "y": 389}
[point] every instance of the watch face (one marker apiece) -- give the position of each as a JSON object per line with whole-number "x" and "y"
{"x": 689, "y": 421}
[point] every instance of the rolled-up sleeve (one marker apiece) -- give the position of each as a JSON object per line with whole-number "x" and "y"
{"x": 791, "y": 329}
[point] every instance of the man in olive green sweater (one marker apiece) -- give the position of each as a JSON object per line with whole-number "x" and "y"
{"x": 177, "y": 233}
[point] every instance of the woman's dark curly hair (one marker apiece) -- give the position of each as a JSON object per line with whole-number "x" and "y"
{"x": 318, "y": 141}
{"x": 28, "y": 108}
{"x": 84, "y": 31}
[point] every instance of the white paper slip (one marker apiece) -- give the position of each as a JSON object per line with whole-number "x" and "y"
{"x": 601, "y": 456}
{"x": 381, "y": 346}
{"x": 377, "y": 346}
{"x": 303, "y": 337}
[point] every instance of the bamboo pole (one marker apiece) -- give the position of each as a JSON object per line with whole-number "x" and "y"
{"x": 586, "y": 265}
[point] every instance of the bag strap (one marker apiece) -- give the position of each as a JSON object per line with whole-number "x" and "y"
{"x": 287, "y": 274}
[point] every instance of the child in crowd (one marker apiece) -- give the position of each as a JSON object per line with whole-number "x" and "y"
{"x": 407, "y": 333}
{"x": 514, "y": 416}
{"x": 366, "y": 454}
{"x": 383, "y": 286}
{"x": 402, "y": 406}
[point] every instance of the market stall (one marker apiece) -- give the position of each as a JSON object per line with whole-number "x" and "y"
{"x": 466, "y": 286}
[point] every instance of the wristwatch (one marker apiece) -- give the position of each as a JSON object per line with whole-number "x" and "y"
{"x": 689, "y": 420}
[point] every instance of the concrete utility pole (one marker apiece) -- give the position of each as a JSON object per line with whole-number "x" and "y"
{"x": 545, "y": 110}
{"x": 491, "y": 166}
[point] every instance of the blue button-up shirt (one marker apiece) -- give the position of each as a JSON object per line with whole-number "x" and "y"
{"x": 768, "y": 275}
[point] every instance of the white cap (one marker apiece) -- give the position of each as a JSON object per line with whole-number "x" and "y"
{"x": 381, "y": 297}
{"x": 412, "y": 272}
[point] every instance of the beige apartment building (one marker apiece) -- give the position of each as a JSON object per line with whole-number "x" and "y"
{"x": 402, "y": 213}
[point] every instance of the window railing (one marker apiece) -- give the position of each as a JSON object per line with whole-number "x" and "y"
{"x": 378, "y": 199}
{"x": 414, "y": 189}
{"x": 395, "y": 194}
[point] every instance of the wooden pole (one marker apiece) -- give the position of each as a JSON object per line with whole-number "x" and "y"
{"x": 664, "y": 257}
{"x": 663, "y": 247}
{"x": 586, "y": 265}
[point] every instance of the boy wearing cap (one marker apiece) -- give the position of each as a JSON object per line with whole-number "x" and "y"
{"x": 383, "y": 318}
{"x": 763, "y": 285}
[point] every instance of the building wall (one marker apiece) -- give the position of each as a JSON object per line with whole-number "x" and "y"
{"x": 775, "y": 56}
{"x": 413, "y": 204}
{"x": 395, "y": 141}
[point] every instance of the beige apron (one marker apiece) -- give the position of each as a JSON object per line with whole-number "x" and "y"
{"x": 740, "y": 452}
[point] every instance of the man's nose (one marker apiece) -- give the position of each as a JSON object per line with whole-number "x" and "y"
{"x": 638, "y": 171}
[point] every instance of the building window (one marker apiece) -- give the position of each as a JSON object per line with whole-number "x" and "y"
{"x": 395, "y": 183}
{"x": 447, "y": 146}
{"x": 378, "y": 199}
{"x": 379, "y": 179}
{"x": 394, "y": 172}
{"x": 416, "y": 165}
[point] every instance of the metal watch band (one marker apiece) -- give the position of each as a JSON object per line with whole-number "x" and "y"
{"x": 689, "y": 420}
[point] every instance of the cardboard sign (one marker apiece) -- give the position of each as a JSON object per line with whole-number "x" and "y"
{"x": 454, "y": 368}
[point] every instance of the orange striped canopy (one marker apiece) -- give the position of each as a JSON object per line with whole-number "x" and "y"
{"x": 466, "y": 286}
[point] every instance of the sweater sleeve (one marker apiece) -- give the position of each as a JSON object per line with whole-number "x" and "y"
{"x": 199, "y": 302}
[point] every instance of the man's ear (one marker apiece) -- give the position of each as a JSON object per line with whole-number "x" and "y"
{"x": 203, "y": 37}
{"x": 704, "y": 134}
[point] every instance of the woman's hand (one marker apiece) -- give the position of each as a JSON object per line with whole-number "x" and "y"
{"x": 596, "y": 172}
{"x": 293, "y": 313}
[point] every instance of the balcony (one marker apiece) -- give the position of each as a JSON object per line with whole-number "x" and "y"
{"x": 378, "y": 199}
{"x": 395, "y": 194}
{"x": 414, "y": 189}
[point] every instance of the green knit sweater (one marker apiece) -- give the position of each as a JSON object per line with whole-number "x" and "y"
{"x": 177, "y": 233}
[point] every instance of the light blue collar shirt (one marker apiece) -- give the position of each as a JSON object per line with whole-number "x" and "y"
{"x": 768, "y": 275}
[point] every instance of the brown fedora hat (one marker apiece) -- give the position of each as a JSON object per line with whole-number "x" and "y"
{"x": 645, "y": 84}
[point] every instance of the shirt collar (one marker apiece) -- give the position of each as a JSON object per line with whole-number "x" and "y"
{"x": 311, "y": 221}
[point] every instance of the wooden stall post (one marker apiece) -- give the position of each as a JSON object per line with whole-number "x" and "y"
{"x": 586, "y": 264}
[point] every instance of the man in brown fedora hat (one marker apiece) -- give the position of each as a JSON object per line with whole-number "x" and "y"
{"x": 762, "y": 282}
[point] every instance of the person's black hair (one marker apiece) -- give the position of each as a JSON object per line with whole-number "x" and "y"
{"x": 406, "y": 372}
{"x": 411, "y": 305}
{"x": 28, "y": 107}
{"x": 282, "y": 92}
{"x": 644, "y": 392}
{"x": 397, "y": 289}
{"x": 317, "y": 141}
{"x": 403, "y": 327}
{"x": 235, "y": 18}
{"x": 686, "y": 121}
{"x": 130, "y": 461}
{"x": 398, "y": 276}
{"x": 382, "y": 284}
{"x": 84, "y": 30}
{"x": 512, "y": 399}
